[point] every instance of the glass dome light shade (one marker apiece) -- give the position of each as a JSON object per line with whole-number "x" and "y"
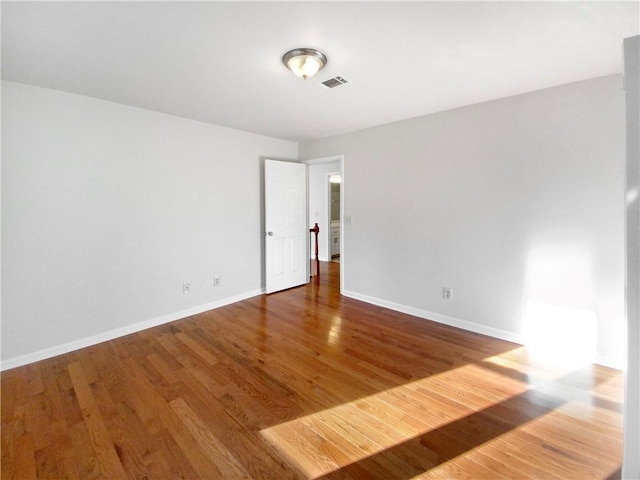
{"x": 304, "y": 62}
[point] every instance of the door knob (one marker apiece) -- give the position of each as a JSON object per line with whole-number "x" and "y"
{"x": 270, "y": 234}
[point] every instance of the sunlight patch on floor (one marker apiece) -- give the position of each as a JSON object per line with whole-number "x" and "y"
{"x": 328, "y": 440}
{"x": 518, "y": 452}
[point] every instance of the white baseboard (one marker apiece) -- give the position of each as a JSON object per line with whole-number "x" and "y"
{"x": 171, "y": 317}
{"x": 611, "y": 362}
{"x": 463, "y": 324}
{"x": 439, "y": 318}
{"x": 121, "y": 331}
{"x": 321, "y": 258}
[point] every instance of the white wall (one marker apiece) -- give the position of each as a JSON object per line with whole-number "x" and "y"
{"x": 319, "y": 204}
{"x": 511, "y": 203}
{"x": 631, "y": 463}
{"x": 108, "y": 209}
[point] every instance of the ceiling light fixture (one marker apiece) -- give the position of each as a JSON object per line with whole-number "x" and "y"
{"x": 304, "y": 62}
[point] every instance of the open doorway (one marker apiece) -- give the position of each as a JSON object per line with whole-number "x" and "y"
{"x": 326, "y": 208}
{"x": 334, "y": 181}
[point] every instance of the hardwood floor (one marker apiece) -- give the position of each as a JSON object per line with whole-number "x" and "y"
{"x": 306, "y": 384}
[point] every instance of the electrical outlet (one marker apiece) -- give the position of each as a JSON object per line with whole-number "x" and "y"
{"x": 447, "y": 293}
{"x": 217, "y": 281}
{"x": 186, "y": 288}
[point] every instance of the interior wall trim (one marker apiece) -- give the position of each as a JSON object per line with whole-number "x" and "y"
{"x": 121, "y": 331}
{"x": 171, "y": 317}
{"x": 458, "y": 323}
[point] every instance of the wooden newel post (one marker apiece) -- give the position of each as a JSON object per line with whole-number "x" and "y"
{"x": 316, "y": 230}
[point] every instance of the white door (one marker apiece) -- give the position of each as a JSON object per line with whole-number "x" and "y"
{"x": 285, "y": 192}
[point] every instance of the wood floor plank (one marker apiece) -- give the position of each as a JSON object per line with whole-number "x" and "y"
{"x": 24, "y": 462}
{"x": 173, "y": 456}
{"x": 349, "y": 454}
{"x": 206, "y": 440}
{"x": 105, "y": 451}
{"x": 247, "y": 449}
{"x": 48, "y": 464}
{"x": 541, "y": 460}
{"x": 515, "y": 462}
{"x": 301, "y": 450}
{"x": 129, "y": 447}
{"x": 306, "y": 383}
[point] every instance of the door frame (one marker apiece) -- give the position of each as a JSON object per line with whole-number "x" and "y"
{"x": 333, "y": 158}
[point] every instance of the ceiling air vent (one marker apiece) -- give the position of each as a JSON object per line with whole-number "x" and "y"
{"x": 334, "y": 82}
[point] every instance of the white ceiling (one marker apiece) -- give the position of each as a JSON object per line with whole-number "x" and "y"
{"x": 220, "y": 62}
